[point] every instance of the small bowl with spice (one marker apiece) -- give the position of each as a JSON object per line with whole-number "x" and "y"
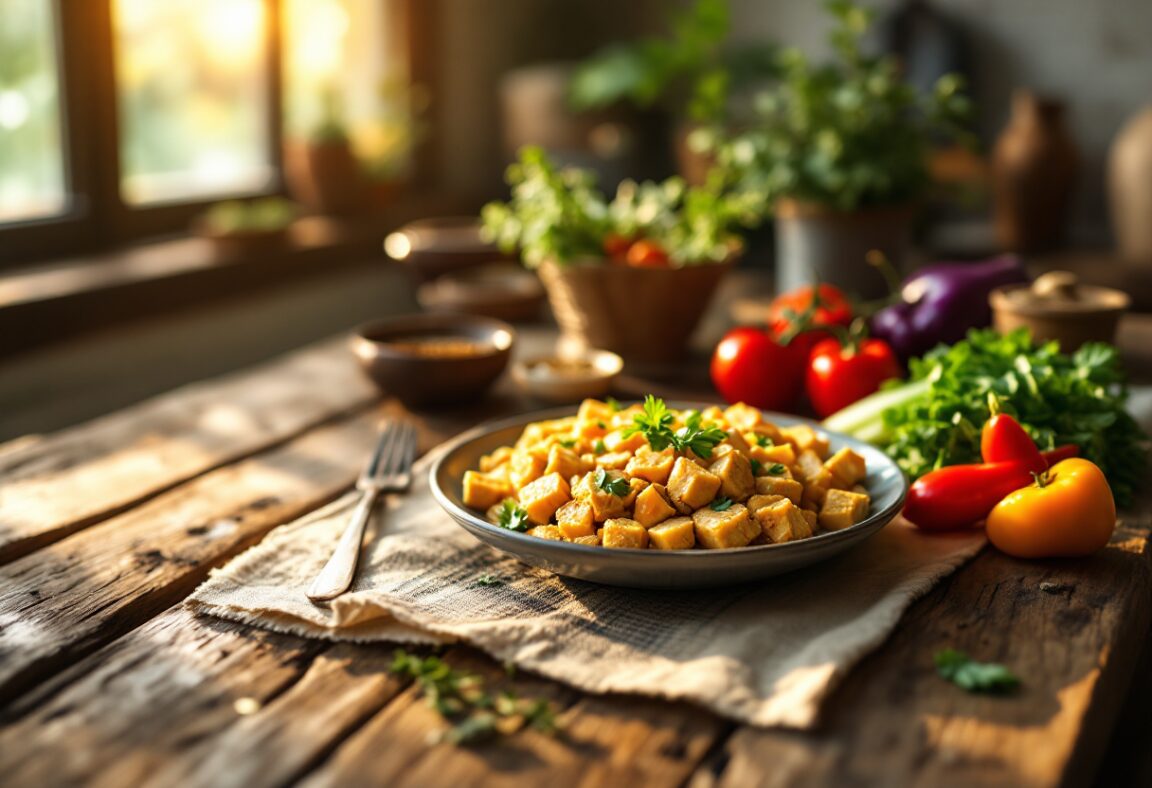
{"x": 434, "y": 360}
{"x": 1058, "y": 307}
{"x": 568, "y": 378}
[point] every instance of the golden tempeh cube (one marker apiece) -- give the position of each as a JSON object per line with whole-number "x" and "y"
{"x": 623, "y": 532}
{"x": 811, "y": 518}
{"x": 594, "y": 539}
{"x": 768, "y": 456}
{"x": 604, "y": 504}
{"x": 497, "y": 458}
{"x": 615, "y": 460}
{"x": 546, "y": 532}
{"x": 544, "y": 496}
{"x": 565, "y": 462}
{"x": 574, "y": 519}
{"x": 816, "y": 489}
{"x": 735, "y": 472}
{"x": 652, "y": 506}
{"x": 635, "y": 487}
{"x": 526, "y": 466}
{"x": 783, "y": 522}
{"x": 757, "y": 502}
{"x": 730, "y": 528}
{"x": 804, "y": 438}
{"x": 847, "y": 468}
{"x": 780, "y": 485}
{"x": 482, "y": 491}
{"x": 743, "y": 417}
{"x": 808, "y": 465}
{"x": 676, "y": 533}
{"x": 690, "y": 486}
{"x": 842, "y": 509}
{"x": 654, "y": 466}
{"x": 615, "y": 441}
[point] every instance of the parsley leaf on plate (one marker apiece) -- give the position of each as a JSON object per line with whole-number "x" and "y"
{"x": 617, "y": 486}
{"x": 513, "y": 516}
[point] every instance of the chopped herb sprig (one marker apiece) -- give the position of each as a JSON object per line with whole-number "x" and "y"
{"x": 513, "y": 516}
{"x": 614, "y": 485}
{"x": 721, "y": 504}
{"x": 655, "y": 424}
{"x": 973, "y": 676}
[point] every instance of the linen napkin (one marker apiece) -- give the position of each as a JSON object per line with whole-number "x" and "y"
{"x": 763, "y": 654}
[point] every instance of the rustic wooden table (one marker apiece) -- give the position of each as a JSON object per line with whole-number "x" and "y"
{"x": 106, "y": 679}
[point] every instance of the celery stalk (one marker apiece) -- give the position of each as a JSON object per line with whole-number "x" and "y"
{"x": 864, "y": 419}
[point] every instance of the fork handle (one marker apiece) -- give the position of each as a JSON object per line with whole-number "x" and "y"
{"x": 336, "y": 576}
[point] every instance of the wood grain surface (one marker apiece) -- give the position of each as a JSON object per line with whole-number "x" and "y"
{"x": 105, "y": 679}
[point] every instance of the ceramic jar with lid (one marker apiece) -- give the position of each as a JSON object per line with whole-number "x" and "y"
{"x": 1130, "y": 189}
{"x": 1057, "y": 306}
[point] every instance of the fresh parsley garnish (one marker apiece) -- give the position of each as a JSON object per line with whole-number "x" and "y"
{"x": 599, "y": 446}
{"x": 602, "y": 425}
{"x": 463, "y": 700}
{"x": 613, "y": 404}
{"x": 776, "y": 469}
{"x": 655, "y": 424}
{"x": 764, "y": 441}
{"x": 756, "y": 466}
{"x": 513, "y": 516}
{"x": 974, "y": 676}
{"x": 721, "y": 504}
{"x": 488, "y": 579}
{"x": 567, "y": 443}
{"x": 617, "y": 486}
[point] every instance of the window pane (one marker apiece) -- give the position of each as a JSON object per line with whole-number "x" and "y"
{"x": 341, "y": 71}
{"x": 193, "y": 99}
{"x": 31, "y": 156}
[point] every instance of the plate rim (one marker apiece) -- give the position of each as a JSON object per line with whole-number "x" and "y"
{"x": 883, "y": 516}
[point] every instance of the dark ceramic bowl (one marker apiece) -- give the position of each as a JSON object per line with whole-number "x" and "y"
{"x": 414, "y": 357}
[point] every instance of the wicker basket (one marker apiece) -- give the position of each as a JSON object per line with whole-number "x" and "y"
{"x": 644, "y": 314}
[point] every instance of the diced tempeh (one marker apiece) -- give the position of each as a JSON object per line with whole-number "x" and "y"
{"x": 546, "y": 532}
{"x": 652, "y": 506}
{"x": 808, "y": 465}
{"x": 615, "y": 441}
{"x": 594, "y": 410}
{"x": 655, "y": 466}
{"x": 575, "y": 519}
{"x": 690, "y": 486}
{"x": 635, "y": 487}
{"x": 623, "y": 532}
{"x": 526, "y": 467}
{"x": 565, "y": 462}
{"x": 811, "y": 518}
{"x": 847, "y": 467}
{"x": 767, "y": 456}
{"x": 544, "y": 496}
{"x": 783, "y": 522}
{"x": 768, "y": 430}
{"x": 730, "y": 528}
{"x": 676, "y": 533}
{"x": 757, "y": 502}
{"x": 735, "y": 473}
{"x": 604, "y": 504}
{"x": 482, "y": 490}
{"x": 804, "y": 438}
{"x": 742, "y": 417}
{"x": 779, "y": 485}
{"x": 842, "y": 509}
{"x": 816, "y": 488}
{"x": 592, "y": 540}
{"x": 497, "y": 458}
{"x": 616, "y": 460}
{"x": 736, "y": 441}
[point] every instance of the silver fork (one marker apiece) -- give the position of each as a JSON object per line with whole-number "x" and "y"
{"x": 389, "y": 470}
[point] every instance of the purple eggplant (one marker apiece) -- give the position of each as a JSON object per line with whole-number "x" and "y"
{"x": 940, "y": 302}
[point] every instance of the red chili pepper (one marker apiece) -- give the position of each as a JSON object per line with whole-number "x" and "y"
{"x": 1065, "y": 452}
{"x": 1004, "y": 440}
{"x": 959, "y": 496}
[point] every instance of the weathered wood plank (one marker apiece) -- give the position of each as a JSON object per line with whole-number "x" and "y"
{"x": 608, "y": 741}
{"x": 174, "y": 682}
{"x": 61, "y": 483}
{"x": 1073, "y": 641}
{"x": 69, "y": 598}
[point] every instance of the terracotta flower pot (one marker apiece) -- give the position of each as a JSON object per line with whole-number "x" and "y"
{"x": 325, "y": 177}
{"x": 813, "y": 241}
{"x": 643, "y": 314}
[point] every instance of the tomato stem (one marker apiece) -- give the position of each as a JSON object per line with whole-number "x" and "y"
{"x": 1042, "y": 478}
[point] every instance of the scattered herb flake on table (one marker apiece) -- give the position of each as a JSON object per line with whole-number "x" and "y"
{"x": 974, "y": 676}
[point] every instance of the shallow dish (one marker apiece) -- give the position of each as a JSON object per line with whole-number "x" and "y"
{"x": 654, "y": 568}
{"x": 555, "y": 380}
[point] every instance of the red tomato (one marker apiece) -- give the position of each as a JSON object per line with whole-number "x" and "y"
{"x": 838, "y": 376}
{"x": 616, "y": 246}
{"x": 647, "y": 254}
{"x": 750, "y": 366}
{"x": 834, "y": 310}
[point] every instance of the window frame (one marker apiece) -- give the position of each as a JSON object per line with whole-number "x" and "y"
{"x": 97, "y": 217}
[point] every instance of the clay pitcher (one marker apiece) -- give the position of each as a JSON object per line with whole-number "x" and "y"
{"x": 1034, "y": 168}
{"x": 1130, "y": 188}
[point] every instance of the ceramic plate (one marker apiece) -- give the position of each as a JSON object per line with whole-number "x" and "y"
{"x": 658, "y": 568}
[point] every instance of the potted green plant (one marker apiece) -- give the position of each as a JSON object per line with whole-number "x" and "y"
{"x": 691, "y": 73}
{"x": 840, "y": 153}
{"x": 320, "y": 167}
{"x": 247, "y": 229}
{"x": 633, "y": 274}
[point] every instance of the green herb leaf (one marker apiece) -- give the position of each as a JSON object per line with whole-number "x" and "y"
{"x": 488, "y": 580}
{"x": 614, "y": 404}
{"x": 601, "y": 425}
{"x": 513, "y": 516}
{"x": 764, "y": 441}
{"x": 974, "y": 676}
{"x": 701, "y": 439}
{"x": 567, "y": 443}
{"x": 721, "y": 504}
{"x": 776, "y": 469}
{"x": 756, "y": 466}
{"x": 617, "y": 486}
{"x": 599, "y": 446}
{"x": 654, "y": 423}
